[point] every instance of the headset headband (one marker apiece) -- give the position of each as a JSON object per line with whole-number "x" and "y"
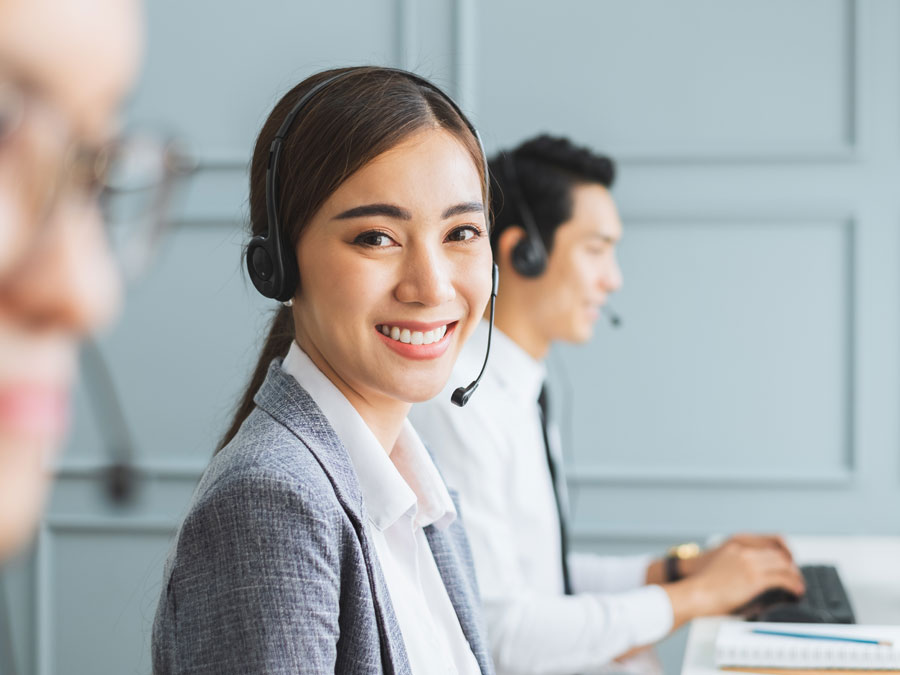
{"x": 271, "y": 264}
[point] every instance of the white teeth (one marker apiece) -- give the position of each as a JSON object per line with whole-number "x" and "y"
{"x": 414, "y": 337}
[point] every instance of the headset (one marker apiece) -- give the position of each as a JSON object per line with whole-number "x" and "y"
{"x": 271, "y": 263}
{"x": 529, "y": 255}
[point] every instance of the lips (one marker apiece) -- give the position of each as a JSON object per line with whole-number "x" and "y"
{"x": 417, "y": 341}
{"x": 35, "y": 410}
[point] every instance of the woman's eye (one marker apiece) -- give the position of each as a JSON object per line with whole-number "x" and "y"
{"x": 373, "y": 239}
{"x": 464, "y": 233}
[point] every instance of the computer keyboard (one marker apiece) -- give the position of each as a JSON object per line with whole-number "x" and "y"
{"x": 825, "y": 600}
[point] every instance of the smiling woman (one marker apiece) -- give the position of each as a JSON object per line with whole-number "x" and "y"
{"x": 322, "y": 538}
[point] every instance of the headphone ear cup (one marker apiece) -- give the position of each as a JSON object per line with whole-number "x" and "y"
{"x": 527, "y": 259}
{"x": 261, "y": 267}
{"x": 272, "y": 276}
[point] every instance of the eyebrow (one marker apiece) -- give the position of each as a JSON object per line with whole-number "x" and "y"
{"x": 465, "y": 207}
{"x": 388, "y": 210}
{"x": 605, "y": 238}
{"x": 392, "y": 211}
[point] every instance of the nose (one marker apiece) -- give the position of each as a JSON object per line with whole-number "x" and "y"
{"x": 69, "y": 282}
{"x": 611, "y": 280}
{"x": 426, "y": 277}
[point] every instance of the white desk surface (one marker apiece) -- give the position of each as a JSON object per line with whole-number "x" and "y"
{"x": 869, "y": 568}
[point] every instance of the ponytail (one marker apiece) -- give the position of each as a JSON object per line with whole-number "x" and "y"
{"x": 277, "y": 343}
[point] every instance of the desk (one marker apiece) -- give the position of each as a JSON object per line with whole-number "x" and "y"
{"x": 869, "y": 568}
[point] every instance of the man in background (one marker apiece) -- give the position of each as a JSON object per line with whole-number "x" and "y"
{"x": 550, "y": 611}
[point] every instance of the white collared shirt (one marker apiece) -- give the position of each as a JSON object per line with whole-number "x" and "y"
{"x": 492, "y": 452}
{"x": 403, "y": 493}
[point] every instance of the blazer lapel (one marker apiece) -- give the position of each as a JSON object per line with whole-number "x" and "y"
{"x": 448, "y": 547}
{"x": 282, "y": 397}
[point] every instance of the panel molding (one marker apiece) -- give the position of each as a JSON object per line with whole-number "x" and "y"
{"x": 407, "y": 33}
{"x": 636, "y": 535}
{"x": 844, "y": 151}
{"x": 465, "y": 58}
{"x": 625, "y": 476}
{"x": 45, "y": 640}
{"x": 163, "y": 470}
{"x": 43, "y": 593}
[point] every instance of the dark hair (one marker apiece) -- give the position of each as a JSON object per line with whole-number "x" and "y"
{"x": 346, "y": 125}
{"x": 547, "y": 168}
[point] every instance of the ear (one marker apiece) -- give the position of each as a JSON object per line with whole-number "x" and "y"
{"x": 507, "y": 241}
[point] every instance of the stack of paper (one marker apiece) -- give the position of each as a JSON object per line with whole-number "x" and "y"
{"x": 829, "y": 647}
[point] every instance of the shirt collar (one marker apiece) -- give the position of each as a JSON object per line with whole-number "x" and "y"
{"x": 404, "y": 482}
{"x": 512, "y": 366}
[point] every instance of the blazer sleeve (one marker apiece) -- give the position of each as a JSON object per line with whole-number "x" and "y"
{"x": 254, "y": 586}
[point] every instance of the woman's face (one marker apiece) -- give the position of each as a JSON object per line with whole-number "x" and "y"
{"x": 395, "y": 272}
{"x": 57, "y": 280}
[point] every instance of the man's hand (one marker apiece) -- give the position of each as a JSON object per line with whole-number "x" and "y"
{"x": 761, "y": 541}
{"x": 732, "y": 575}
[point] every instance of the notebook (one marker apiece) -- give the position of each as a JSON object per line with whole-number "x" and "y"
{"x": 738, "y": 648}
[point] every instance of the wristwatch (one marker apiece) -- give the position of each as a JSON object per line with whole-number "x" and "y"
{"x": 676, "y": 554}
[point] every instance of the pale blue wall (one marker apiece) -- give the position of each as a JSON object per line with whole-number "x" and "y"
{"x": 755, "y": 382}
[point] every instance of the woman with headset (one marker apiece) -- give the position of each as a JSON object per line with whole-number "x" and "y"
{"x": 321, "y": 538}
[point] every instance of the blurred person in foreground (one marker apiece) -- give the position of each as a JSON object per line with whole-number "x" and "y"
{"x": 65, "y": 66}
{"x": 548, "y": 610}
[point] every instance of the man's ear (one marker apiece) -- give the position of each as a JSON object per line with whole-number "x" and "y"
{"x": 506, "y": 242}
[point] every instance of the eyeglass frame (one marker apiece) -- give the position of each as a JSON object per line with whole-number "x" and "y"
{"x": 83, "y": 169}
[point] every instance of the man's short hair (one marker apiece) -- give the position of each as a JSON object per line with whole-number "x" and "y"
{"x": 547, "y": 168}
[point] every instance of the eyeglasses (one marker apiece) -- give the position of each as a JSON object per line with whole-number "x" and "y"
{"x": 130, "y": 179}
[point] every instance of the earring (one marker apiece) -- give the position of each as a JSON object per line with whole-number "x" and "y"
{"x": 288, "y": 303}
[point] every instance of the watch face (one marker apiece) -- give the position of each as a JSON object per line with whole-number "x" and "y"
{"x": 685, "y": 551}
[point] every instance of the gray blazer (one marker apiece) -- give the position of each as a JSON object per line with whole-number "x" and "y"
{"x": 272, "y": 570}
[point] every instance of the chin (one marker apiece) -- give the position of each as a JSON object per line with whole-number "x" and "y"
{"x": 580, "y": 334}
{"x": 421, "y": 389}
{"x": 421, "y": 394}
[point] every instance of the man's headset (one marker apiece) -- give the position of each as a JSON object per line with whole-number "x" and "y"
{"x": 529, "y": 255}
{"x": 271, "y": 263}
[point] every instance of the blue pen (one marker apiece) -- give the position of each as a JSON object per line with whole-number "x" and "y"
{"x": 812, "y": 636}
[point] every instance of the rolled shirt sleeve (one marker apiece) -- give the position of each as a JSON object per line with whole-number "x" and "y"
{"x": 556, "y": 635}
{"x": 607, "y": 574}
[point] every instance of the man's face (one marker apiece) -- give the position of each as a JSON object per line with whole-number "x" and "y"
{"x": 582, "y": 269}
{"x": 68, "y": 63}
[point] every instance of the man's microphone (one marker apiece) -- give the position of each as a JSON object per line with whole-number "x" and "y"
{"x": 462, "y": 395}
{"x": 614, "y": 319}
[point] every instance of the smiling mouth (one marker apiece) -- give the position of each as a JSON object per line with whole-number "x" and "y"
{"x": 414, "y": 337}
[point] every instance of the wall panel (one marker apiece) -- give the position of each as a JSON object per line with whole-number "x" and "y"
{"x": 690, "y": 80}
{"x": 736, "y": 357}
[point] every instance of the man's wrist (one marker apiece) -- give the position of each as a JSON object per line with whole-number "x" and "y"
{"x": 672, "y": 569}
{"x": 676, "y": 561}
{"x": 689, "y": 600}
